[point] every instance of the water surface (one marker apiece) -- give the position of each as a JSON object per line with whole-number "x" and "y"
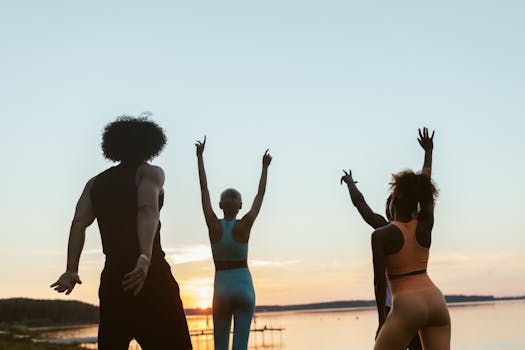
{"x": 482, "y": 326}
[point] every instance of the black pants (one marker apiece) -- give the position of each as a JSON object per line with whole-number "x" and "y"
{"x": 415, "y": 343}
{"x": 154, "y": 318}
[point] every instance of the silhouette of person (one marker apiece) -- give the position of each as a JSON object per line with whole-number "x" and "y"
{"x": 233, "y": 294}
{"x": 139, "y": 298}
{"x": 376, "y": 220}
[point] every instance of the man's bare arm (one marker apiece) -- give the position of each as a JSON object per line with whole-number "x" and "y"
{"x": 83, "y": 217}
{"x": 150, "y": 182}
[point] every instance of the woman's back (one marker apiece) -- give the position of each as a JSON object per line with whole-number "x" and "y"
{"x": 227, "y": 248}
{"x": 412, "y": 257}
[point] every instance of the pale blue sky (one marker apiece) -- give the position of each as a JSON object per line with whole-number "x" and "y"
{"x": 326, "y": 85}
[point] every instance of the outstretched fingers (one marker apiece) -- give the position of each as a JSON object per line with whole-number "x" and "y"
{"x": 425, "y": 138}
{"x": 66, "y": 282}
{"x": 420, "y": 138}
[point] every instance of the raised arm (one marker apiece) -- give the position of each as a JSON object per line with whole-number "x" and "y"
{"x": 209, "y": 214}
{"x": 373, "y": 219}
{"x": 425, "y": 216}
{"x": 379, "y": 277}
{"x": 250, "y": 216}
{"x": 83, "y": 217}
{"x": 150, "y": 181}
{"x": 427, "y": 143}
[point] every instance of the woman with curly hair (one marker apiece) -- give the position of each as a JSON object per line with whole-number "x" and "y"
{"x": 402, "y": 249}
{"x": 139, "y": 298}
{"x": 426, "y": 141}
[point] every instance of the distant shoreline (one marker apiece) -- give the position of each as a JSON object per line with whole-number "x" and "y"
{"x": 52, "y": 328}
{"x": 42, "y": 314}
{"x": 452, "y": 300}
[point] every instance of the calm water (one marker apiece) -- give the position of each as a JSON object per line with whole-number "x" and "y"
{"x": 477, "y": 327}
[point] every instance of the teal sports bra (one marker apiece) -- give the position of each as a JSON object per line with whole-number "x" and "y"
{"x": 227, "y": 249}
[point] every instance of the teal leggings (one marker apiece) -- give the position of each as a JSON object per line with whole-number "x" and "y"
{"x": 233, "y": 296}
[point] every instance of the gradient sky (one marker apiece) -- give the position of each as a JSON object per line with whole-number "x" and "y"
{"x": 326, "y": 85}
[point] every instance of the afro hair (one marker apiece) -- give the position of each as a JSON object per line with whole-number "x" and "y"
{"x": 132, "y": 139}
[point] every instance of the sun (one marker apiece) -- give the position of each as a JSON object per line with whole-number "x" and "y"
{"x": 203, "y": 304}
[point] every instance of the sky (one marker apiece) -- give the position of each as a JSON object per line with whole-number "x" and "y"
{"x": 326, "y": 85}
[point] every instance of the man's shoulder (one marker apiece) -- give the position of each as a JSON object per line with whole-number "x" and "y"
{"x": 151, "y": 171}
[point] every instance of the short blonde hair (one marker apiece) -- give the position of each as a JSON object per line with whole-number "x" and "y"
{"x": 231, "y": 195}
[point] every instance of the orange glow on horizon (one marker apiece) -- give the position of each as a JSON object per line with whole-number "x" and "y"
{"x": 197, "y": 293}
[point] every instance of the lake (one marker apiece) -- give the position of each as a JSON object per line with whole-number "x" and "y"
{"x": 495, "y": 325}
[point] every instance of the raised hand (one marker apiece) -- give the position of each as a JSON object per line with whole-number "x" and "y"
{"x": 199, "y": 146}
{"x": 134, "y": 280}
{"x": 267, "y": 159}
{"x": 66, "y": 282}
{"x": 426, "y": 142}
{"x": 347, "y": 177}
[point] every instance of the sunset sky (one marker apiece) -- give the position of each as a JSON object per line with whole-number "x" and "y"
{"x": 326, "y": 85}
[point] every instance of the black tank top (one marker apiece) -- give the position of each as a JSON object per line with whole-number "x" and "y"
{"x": 114, "y": 200}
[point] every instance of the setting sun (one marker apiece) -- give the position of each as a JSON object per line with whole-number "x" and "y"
{"x": 204, "y": 305}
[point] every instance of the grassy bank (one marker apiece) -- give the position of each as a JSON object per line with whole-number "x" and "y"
{"x": 20, "y": 339}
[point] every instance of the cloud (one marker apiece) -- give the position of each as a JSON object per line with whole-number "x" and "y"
{"x": 32, "y": 252}
{"x": 198, "y": 282}
{"x": 256, "y": 263}
{"x": 189, "y": 254}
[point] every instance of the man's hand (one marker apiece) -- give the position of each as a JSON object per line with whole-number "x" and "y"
{"x": 66, "y": 282}
{"x": 267, "y": 159}
{"x": 426, "y": 142}
{"x": 199, "y": 147}
{"x": 347, "y": 177}
{"x": 134, "y": 281}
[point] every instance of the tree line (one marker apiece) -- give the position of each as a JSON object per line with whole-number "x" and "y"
{"x": 31, "y": 312}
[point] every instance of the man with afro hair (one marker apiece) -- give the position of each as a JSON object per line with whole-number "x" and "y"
{"x": 139, "y": 298}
